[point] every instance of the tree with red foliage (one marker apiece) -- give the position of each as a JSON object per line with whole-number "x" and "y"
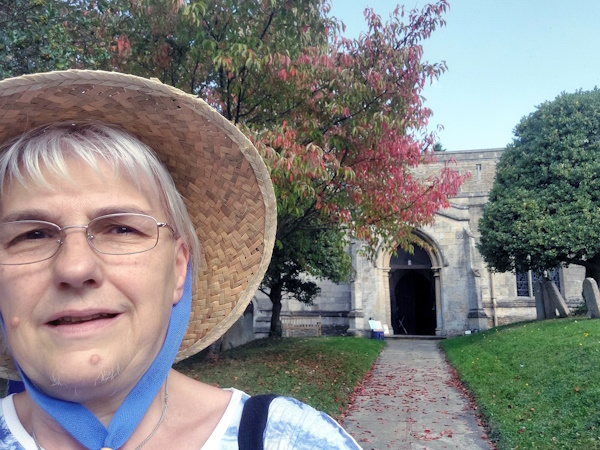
{"x": 348, "y": 133}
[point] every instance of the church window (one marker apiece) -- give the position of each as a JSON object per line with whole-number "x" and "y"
{"x": 523, "y": 284}
{"x": 526, "y": 281}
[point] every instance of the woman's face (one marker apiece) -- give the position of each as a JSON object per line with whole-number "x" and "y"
{"x": 83, "y": 324}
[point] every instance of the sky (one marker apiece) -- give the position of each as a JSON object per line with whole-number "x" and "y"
{"x": 504, "y": 57}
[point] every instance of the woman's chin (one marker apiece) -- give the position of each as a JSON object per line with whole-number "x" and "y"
{"x": 77, "y": 382}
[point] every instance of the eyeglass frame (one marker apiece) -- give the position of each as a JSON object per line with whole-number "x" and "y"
{"x": 89, "y": 238}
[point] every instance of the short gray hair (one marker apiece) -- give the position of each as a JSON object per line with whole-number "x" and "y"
{"x": 23, "y": 158}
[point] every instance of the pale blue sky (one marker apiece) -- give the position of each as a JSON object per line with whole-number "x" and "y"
{"x": 504, "y": 58}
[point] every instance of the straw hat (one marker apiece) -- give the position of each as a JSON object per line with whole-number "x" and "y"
{"x": 225, "y": 184}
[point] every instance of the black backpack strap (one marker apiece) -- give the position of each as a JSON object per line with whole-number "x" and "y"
{"x": 253, "y": 422}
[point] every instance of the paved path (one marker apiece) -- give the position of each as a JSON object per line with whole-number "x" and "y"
{"x": 410, "y": 402}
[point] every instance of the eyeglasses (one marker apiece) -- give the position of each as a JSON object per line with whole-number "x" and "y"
{"x": 31, "y": 241}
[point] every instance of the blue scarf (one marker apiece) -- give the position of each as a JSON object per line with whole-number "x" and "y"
{"x": 84, "y": 426}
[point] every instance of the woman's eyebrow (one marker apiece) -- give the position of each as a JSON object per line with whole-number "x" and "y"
{"x": 119, "y": 209}
{"x": 46, "y": 216}
{"x": 29, "y": 214}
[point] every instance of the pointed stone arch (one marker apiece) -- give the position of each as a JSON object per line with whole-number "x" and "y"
{"x": 438, "y": 261}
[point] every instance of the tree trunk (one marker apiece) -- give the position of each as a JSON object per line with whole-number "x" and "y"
{"x": 275, "y": 296}
{"x": 592, "y": 269}
{"x": 214, "y": 351}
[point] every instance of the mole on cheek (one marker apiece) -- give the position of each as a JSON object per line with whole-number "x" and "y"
{"x": 95, "y": 360}
{"x": 14, "y": 322}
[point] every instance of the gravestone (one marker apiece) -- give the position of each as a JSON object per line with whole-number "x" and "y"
{"x": 591, "y": 296}
{"x": 540, "y": 309}
{"x": 555, "y": 300}
{"x": 549, "y": 302}
{"x": 549, "y": 308}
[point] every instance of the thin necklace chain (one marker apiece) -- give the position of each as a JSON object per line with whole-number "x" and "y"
{"x": 160, "y": 421}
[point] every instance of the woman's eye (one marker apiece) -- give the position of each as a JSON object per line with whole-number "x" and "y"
{"x": 120, "y": 229}
{"x": 36, "y": 234}
{"x": 33, "y": 235}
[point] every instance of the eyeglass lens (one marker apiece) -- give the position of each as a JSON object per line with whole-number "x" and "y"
{"x": 28, "y": 241}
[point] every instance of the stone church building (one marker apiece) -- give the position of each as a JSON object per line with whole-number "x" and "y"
{"x": 443, "y": 290}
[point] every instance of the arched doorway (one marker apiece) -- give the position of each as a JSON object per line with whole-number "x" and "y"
{"x": 412, "y": 293}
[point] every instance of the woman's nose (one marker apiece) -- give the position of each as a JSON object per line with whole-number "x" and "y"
{"x": 76, "y": 263}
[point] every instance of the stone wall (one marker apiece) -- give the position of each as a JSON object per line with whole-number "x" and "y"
{"x": 333, "y": 305}
{"x": 241, "y": 332}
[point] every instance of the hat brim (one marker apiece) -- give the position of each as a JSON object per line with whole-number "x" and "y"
{"x": 222, "y": 178}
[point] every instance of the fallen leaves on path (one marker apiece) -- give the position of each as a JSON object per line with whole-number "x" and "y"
{"x": 403, "y": 403}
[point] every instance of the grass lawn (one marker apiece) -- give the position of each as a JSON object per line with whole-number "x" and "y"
{"x": 537, "y": 384}
{"x": 322, "y": 372}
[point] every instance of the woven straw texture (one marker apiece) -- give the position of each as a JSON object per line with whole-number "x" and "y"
{"x": 220, "y": 174}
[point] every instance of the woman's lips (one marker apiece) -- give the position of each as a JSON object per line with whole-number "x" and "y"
{"x": 83, "y": 324}
{"x": 71, "y": 320}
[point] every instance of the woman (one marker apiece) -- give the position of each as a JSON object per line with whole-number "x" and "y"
{"x": 135, "y": 226}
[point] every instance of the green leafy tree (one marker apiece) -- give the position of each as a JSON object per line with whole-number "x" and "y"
{"x": 544, "y": 206}
{"x": 43, "y": 35}
{"x": 314, "y": 250}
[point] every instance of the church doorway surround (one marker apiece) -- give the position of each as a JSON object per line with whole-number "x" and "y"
{"x": 435, "y": 262}
{"x": 412, "y": 293}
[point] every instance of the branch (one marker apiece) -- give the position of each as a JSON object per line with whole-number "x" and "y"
{"x": 353, "y": 115}
{"x": 193, "y": 76}
{"x": 267, "y": 25}
{"x": 244, "y": 70}
{"x": 253, "y": 108}
{"x": 263, "y": 291}
{"x": 580, "y": 262}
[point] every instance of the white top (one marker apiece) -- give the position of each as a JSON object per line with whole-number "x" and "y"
{"x": 290, "y": 425}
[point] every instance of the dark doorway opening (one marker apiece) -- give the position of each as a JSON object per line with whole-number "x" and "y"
{"x": 412, "y": 294}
